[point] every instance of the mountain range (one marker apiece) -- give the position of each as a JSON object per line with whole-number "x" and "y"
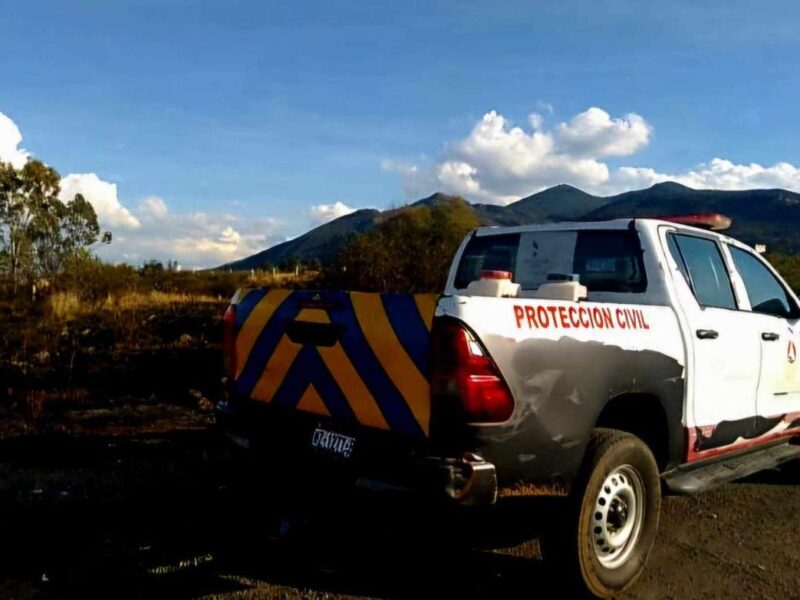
{"x": 768, "y": 217}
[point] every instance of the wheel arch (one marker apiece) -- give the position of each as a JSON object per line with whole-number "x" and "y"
{"x": 647, "y": 416}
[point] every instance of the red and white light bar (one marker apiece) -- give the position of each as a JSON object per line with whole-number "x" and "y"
{"x": 712, "y": 221}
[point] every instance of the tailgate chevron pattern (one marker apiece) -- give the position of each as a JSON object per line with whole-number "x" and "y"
{"x": 375, "y": 373}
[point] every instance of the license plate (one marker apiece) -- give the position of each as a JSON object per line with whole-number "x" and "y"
{"x": 333, "y": 443}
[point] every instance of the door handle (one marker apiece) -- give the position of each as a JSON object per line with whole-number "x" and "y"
{"x": 768, "y": 336}
{"x": 707, "y": 334}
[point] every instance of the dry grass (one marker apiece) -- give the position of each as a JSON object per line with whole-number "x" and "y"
{"x": 67, "y": 306}
{"x": 179, "y": 289}
{"x": 258, "y": 278}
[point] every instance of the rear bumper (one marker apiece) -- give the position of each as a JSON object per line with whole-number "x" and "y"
{"x": 280, "y": 440}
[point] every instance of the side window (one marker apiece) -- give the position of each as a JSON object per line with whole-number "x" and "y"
{"x": 701, "y": 263}
{"x": 676, "y": 254}
{"x": 766, "y": 293}
{"x": 609, "y": 261}
{"x": 490, "y": 252}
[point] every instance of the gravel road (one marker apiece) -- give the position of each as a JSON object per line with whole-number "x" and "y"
{"x": 159, "y": 516}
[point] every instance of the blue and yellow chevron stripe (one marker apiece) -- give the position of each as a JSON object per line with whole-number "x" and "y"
{"x": 375, "y": 374}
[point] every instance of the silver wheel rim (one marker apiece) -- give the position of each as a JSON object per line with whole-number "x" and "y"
{"x": 618, "y": 516}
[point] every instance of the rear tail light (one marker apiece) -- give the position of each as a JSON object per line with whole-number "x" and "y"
{"x": 229, "y": 342}
{"x": 463, "y": 370}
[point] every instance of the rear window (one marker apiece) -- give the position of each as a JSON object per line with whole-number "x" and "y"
{"x": 603, "y": 261}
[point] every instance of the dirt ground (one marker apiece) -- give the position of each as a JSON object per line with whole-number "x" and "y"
{"x": 177, "y": 515}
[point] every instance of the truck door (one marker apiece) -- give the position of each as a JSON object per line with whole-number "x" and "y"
{"x": 726, "y": 349}
{"x": 775, "y": 313}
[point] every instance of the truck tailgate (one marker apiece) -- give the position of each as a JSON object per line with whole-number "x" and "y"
{"x": 358, "y": 358}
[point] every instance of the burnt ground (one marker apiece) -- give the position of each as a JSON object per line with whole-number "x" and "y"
{"x": 175, "y": 514}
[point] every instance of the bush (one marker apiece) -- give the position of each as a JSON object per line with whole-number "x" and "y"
{"x": 410, "y": 251}
{"x": 93, "y": 281}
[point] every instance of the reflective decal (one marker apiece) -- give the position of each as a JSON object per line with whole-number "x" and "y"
{"x": 357, "y": 357}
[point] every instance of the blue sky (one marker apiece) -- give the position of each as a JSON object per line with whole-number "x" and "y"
{"x": 250, "y": 113}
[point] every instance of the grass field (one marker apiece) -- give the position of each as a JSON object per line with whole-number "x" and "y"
{"x": 118, "y": 350}
{"x": 137, "y": 362}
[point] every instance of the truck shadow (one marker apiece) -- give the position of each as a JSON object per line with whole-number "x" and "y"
{"x": 785, "y": 474}
{"x": 168, "y": 516}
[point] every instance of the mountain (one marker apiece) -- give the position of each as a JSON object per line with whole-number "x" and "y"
{"x": 322, "y": 242}
{"x": 768, "y": 217}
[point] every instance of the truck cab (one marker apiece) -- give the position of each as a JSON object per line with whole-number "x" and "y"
{"x": 597, "y": 361}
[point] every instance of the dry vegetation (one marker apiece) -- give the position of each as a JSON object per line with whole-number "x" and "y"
{"x": 126, "y": 351}
{"x": 99, "y": 348}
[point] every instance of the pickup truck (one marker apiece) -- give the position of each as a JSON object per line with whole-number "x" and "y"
{"x": 605, "y": 362}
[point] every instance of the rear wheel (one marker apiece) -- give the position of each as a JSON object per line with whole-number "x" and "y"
{"x": 611, "y": 518}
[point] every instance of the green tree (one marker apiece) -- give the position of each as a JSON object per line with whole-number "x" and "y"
{"x": 410, "y": 251}
{"x": 38, "y": 232}
{"x": 79, "y": 225}
{"x": 29, "y": 214}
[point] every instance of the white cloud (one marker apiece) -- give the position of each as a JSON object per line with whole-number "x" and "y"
{"x": 322, "y": 213}
{"x": 153, "y": 207}
{"x": 723, "y": 174}
{"x": 103, "y": 196}
{"x": 152, "y": 230}
{"x": 10, "y": 139}
{"x": 461, "y": 178}
{"x": 499, "y": 162}
{"x": 536, "y": 120}
{"x": 719, "y": 174}
{"x": 594, "y": 133}
{"x": 194, "y": 239}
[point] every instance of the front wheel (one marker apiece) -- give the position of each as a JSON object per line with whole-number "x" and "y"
{"x": 612, "y": 514}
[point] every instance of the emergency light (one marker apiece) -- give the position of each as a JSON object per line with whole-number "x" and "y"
{"x": 711, "y": 221}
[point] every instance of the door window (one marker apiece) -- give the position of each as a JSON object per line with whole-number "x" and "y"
{"x": 766, "y": 293}
{"x": 700, "y": 261}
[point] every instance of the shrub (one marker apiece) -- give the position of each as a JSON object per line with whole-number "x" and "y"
{"x": 410, "y": 251}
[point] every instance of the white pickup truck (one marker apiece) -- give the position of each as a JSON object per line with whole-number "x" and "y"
{"x": 600, "y": 361}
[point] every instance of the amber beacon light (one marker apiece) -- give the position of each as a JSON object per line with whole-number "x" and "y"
{"x": 711, "y": 221}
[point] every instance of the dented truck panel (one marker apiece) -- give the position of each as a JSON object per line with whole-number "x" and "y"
{"x": 563, "y": 362}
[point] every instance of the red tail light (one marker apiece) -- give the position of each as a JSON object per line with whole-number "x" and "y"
{"x": 462, "y": 369}
{"x": 229, "y": 342}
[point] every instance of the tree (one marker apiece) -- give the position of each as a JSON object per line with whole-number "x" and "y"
{"x": 29, "y": 213}
{"x": 39, "y": 232}
{"x": 410, "y": 251}
{"x": 79, "y": 225}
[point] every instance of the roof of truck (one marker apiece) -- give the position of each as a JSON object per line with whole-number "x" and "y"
{"x": 598, "y": 225}
{"x": 560, "y": 226}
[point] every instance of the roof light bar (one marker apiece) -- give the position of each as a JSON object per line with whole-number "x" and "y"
{"x": 711, "y": 221}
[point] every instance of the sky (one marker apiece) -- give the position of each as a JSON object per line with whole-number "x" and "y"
{"x": 206, "y": 131}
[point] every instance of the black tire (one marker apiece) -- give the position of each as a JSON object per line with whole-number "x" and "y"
{"x": 613, "y": 458}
